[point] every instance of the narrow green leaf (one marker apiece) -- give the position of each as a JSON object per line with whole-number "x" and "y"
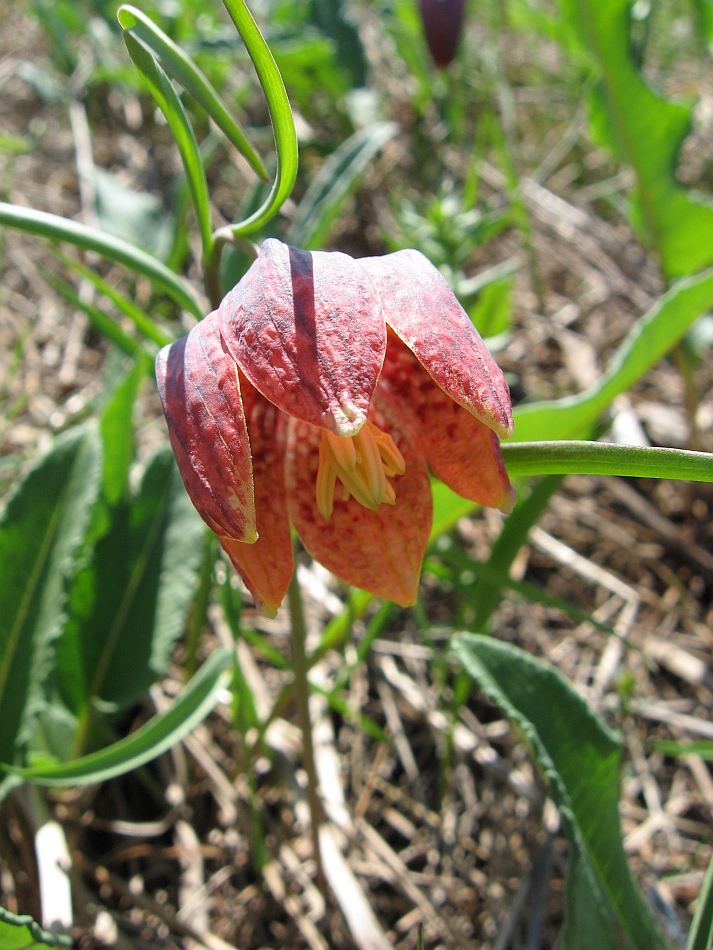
{"x": 21, "y": 932}
{"x": 182, "y": 68}
{"x": 103, "y": 323}
{"x": 164, "y": 94}
{"x": 41, "y": 532}
{"x": 580, "y": 758}
{"x": 117, "y": 431}
{"x": 650, "y": 339}
{"x": 283, "y": 125}
{"x": 190, "y": 707}
{"x": 703, "y": 748}
{"x": 606, "y": 458}
{"x": 56, "y": 228}
{"x": 700, "y": 935}
{"x": 645, "y": 132}
{"x": 334, "y": 181}
{"x": 143, "y": 323}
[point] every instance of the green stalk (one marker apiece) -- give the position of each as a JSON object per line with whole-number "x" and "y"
{"x": 299, "y": 665}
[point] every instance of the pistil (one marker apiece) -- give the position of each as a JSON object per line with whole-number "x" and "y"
{"x": 362, "y": 463}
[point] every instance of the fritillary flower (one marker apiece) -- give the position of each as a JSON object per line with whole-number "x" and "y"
{"x": 319, "y": 394}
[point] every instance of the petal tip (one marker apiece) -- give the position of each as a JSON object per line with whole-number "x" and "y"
{"x": 346, "y": 421}
{"x": 508, "y": 501}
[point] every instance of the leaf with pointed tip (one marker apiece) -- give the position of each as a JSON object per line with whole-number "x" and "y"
{"x": 42, "y": 531}
{"x": 580, "y": 758}
{"x": 190, "y": 707}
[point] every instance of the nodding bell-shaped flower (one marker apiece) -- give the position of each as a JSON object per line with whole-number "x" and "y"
{"x": 442, "y": 23}
{"x": 320, "y": 393}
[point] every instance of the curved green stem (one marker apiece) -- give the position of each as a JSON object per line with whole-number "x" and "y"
{"x": 605, "y": 458}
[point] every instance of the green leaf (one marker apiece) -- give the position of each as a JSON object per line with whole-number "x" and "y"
{"x": 133, "y": 216}
{"x": 606, "y": 458}
{"x": 56, "y": 228}
{"x": 117, "y": 431}
{"x": 334, "y": 181}
{"x": 646, "y": 132}
{"x": 103, "y": 323}
{"x": 700, "y": 935}
{"x": 703, "y": 748}
{"x": 141, "y": 321}
{"x": 580, "y": 757}
{"x": 650, "y": 339}
{"x": 41, "y": 532}
{"x": 189, "y": 708}
{"x": 492, "y": 310}
{"x": 168, "y": 102}
{"x": 283, "y": 125}
{"x": 131, "y": 601}
{"x": 182, "y": 68}
{"x": 21, "y": 932}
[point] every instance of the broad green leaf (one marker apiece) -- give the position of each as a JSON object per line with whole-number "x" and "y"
{"x": 283, "y": 125}
{"x": 700, "y": 935}
{"x": 580, "y": 758}
{"x": 164, "y": 94}
{"x": 646, "y": 132}
{"x": 189, "y": 708}
{"x": 650, "y": 339}
{"x": 182, "y": 68}
{"x": 333, "y": 183}
{"x": 131, "y": 601}
{"x": 41, "y": 532}
{"x": 56, "y": 228}
{"x": 117, "y": 431}
{"x": 21, "y": 932}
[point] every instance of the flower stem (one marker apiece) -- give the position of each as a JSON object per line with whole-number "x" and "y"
{"x": 299, "y": 665}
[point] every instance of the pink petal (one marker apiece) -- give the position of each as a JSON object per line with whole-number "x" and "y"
{"x": 459, "y": 449}
{"x": 198, "y": 384}
{"x": 266, "y": 565}
{"x": 379, "y": 551}
{"x": 307, "y": 330}
{"x": 423, "y": 311}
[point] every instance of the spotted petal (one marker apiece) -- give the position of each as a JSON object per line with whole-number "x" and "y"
{"x": 423, "y": 311}
{"x": 459, "y": 449}
{"x": 307, "y": 330}
{"x": 198, "y": 384}
{"x": 266, "y": 565}
{"x": 379, "y": 551}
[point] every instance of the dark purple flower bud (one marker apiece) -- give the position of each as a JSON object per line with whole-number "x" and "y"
{"x": 442, "y": 23}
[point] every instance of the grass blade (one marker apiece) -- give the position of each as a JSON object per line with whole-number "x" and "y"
{"x": 141, "y": 321}
{"x": 332, "y": 184}
{"x": 701, "y": 933}
{"x": 56, "y": 228}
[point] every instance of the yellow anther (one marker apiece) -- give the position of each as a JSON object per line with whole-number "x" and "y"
{"x": 362, "y": 463}
{"x": 326, "y": 479}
